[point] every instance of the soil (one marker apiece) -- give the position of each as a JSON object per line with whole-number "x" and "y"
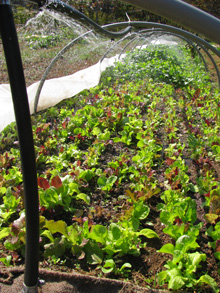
{"x": 56, "y": 282}
{"x": 145, "y": 268}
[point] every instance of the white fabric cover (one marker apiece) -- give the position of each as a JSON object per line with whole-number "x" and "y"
{"x": 54, "y": 90}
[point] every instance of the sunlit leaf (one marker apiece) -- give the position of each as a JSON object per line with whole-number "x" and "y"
{"x": 102, "y": 181}
{"x": 43, "y": 183}
{"x": 5, "y": 232}
{"x": 54, "y": 227}
{"x": 98, "y": 233}
{"x": 148, "y": 233}
{"x": 84, "y": 197}
{"x": 211, "y": 218}
{"x": 176, "y": 282}
{"x": 56, "y": 182}
{"x": 167, "y": 248}
{"x": 210, "y": 281}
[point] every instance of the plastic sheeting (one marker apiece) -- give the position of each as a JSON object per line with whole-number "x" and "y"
{"x": 54, "y": 90}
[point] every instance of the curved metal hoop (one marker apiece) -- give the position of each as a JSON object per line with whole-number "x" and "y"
{"x": 126, "y": 34}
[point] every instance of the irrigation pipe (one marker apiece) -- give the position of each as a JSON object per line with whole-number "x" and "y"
{"x": 26, "y": 144}
{"x": 183, "y": 14}
{"x": 178, "y": 11}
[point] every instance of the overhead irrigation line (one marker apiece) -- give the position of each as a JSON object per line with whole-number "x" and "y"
{"x": 184, "y": 14}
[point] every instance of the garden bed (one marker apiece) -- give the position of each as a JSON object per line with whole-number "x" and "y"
{"x": 128, "y": 177}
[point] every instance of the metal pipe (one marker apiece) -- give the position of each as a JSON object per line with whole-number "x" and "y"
{"x": 25, "y": 136}
{"x": 117, "y": 44}
{"x": 183, "y": 14}
{"x": 177, "y": 11}
{"x": 126, "y": 46}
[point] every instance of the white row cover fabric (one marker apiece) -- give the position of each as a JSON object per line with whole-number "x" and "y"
{"x": 54, "y": 90}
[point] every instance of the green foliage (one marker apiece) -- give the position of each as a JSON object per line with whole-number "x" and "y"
{"x": 8, "y": 207}
{"x": 177, "y": 207}
{"x": 106, "y": 183}
{"x": 39, "y": 41}
{"x": 104, "y": 160}
{"x": 60, "y": 193}
{"x": 99, "y": 243}
{"x": 214, "y": 233}
{"x": 169, "y": 64}
{"x": 22, "y": 14}
{"x": 110, "y": 267}
{"x": 181, "y": 270}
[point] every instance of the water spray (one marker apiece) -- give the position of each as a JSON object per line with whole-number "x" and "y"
{"x": 59, "y": 6}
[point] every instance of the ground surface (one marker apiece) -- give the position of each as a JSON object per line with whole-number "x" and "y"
{"x": 57, "y": 282}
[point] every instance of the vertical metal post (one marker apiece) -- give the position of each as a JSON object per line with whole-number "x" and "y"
{"x": 25, "y": 136}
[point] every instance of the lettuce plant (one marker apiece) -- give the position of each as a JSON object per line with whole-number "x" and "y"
{"x": 181, "y": 270}
{"x": 214, "y": 233}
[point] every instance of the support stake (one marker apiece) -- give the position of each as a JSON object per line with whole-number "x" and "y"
{"x": 25, "y": 137}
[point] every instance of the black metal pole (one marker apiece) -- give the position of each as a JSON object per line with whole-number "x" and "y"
{"x": 25, "y": 136}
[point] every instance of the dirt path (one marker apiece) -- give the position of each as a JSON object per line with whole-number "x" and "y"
{"x": 57, "y": 282}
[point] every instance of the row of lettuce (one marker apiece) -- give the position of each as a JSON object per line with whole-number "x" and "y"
{"x": 155, "y": 132}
